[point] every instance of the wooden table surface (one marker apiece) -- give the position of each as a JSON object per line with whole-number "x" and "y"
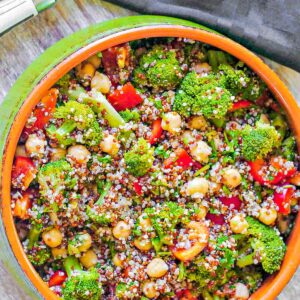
{"x": 23, "y": 44}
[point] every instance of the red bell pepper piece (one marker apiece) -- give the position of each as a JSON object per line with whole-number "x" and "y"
{"x": 232, "y": 201}
{"x": 282, "y": 198}
{"x": 156, "y": 132}
{"x": 185, "y": 294}
{"x": 240, "y": 105}
{"x": 216, "y": 219}
{"x": 43, "y": 111}
{"x": 258, "y": 169}
{"x": 23, "y": 172}
{"x": 22, "y": 205}
{"x": 137, "y": 187}
{"x": 182, "y": 159}
{"x": 58, "y": 278}
{"x": 126, "y": 97}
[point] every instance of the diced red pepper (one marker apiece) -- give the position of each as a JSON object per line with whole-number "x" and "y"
{"x": 216, "y": 219}
{"x": 240, "y": 105}
{"x": 137, "y": 187}
{"x": 283, "y": 198}
{"x": 182, "y": 159}
{"x": 258, "y": 169}
{"x": 43, "y": 111}
{"x": 185, "y": 294}
{"x": 23, "y": 172}
{"x": 232, "y": 201}
{"x": 156, "y": 132}
{"x": 58, "y": 278}
{"x": 126, "y": 97}
{"x": 22, "y": 206}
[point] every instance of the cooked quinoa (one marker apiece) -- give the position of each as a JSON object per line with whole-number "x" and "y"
{"x": 157, "y": 169}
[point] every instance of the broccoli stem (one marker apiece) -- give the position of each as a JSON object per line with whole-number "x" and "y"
{"x": 99, "y": 104}
{"x": 288, "y": 148}
{"x": 106, "y": 189}
{"x": 71, "y": 264}
{"x": 221, "y": 57}
{"x": 212, "y": 59}
{"x": 34, "y": 235}
{"x": 206, "y": 296}
{"x": 245, "y": 260}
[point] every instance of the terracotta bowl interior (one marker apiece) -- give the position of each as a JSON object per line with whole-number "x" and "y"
{"x": 275, "y": 283}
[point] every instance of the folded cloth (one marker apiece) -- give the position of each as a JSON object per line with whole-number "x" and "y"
{"x": 268, "y": 27}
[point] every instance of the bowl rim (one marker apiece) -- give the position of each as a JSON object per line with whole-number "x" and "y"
{"x": 274, "y": 284}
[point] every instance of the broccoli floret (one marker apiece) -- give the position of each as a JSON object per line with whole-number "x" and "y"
{"x": 140, "y": 159}
{"x": 64, "y": 83}
{"x": 164, "y": 220}
{"x": 75, "y": 116}
{"x": 95, "y": 214}
{"x": 254, "y": 89}
{"x": 288, "y": 148}
{"x": 54, "y": 178}
{"x": 202, "y": 95}
{"x": 34, "y": 234}
{"x": 98, "y": 104}
{"x": 39, "y": 255}
{"x": 80, "y": 285}
{"x": 259, "y": 141}
{"x": 158, "y": 69}
{"x": 251, "y": 277}
{"x": 266, "y": 244}
{"x": 199, "y": 273}
{"x": 233, "y": 80}
{"x": 130, "y": 115}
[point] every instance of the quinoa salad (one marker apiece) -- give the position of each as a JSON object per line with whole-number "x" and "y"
{"x": 161, "y": 168}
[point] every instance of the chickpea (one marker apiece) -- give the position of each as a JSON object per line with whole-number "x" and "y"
{"x": 21, "y": 151}
{"x": 52, "y": 237}
{"x": 95, "y": 60}
{"x": 201, "y": 151}
{"x": 238, "y": 224}
{"x": 35, "y": 146}
{"x": 197, "y": 186}
{"x": 145, "y": 223}
{"x": 110, "y": 145}
{"x": 121, "y": 230}
{"x": 100, "y": 82}
{"x": 157, "y": 268}
{"x": 58, "y": 253}
{"x": 57, "y": 153}
{"x": 202, "y": 68}
{"x": 231, "y": 177}
{"x": 267, "y": 216}
{"x": 149, "y": 289}
{"x": 85, "y": 71}
{"x": 117, "y": 261}
{"x": 187, "y": 137}
{"x": 88, "y": 259}
{"x": 171, "y": 122}
{"x": 85, "y": 242}
{"x": 79, "y": 154}
{"x": 197, "y": 122}
{"x": 143, "y": 244}
{"x": 241, "y": 291}
{"x": 53, "y": 217}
